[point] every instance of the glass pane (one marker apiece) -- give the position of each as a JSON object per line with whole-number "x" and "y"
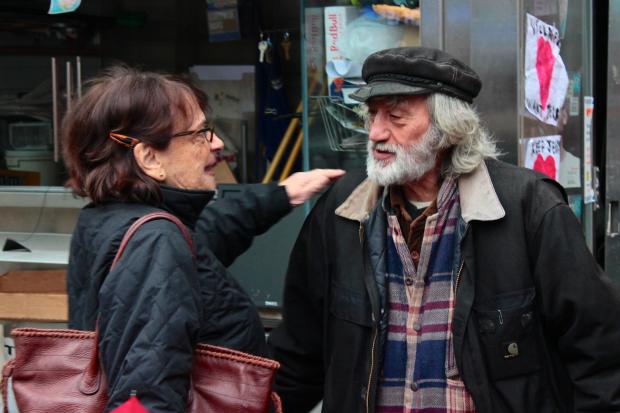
{"x": 338, "y": 38}
{"x": 26, "y": 125}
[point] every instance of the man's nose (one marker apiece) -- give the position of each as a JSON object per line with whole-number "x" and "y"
{"x": 378, "y": 130}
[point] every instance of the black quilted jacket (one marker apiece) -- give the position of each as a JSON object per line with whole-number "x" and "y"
{"x": 158, "y": 302}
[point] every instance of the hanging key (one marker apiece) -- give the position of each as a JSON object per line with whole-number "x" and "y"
{"x": 262, "y": 49}
{"x": 269, "y": 51}
{"x": 286, "y": 46}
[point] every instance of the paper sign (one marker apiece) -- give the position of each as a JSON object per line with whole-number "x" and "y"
{"x": 63, "y": 6}
{"x": 542, "y": 154}
{"x": 313, "y": 35}
{"x": 223, "y": 20}
{"x": 546, "y": 79}
{"x": 588, "y": 190}
{"x": 570, "y": 170}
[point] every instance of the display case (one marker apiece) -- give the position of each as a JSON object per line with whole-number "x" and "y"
{"x": 337, "y": 37}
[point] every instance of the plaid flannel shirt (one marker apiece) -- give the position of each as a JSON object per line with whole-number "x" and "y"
{"x": 419, "y": 371}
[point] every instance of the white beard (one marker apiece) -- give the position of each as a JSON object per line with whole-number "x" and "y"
{"x": 410, "y": 163}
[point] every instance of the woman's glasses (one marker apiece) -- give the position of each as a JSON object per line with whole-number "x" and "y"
{"x": 205, "y": 133}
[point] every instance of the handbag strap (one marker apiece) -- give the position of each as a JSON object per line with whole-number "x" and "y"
{"x": 277, "y": 403}
{"x": 91, "y": 378}
{"x": 143, "y": 220}
{"x": 7, "y": 372}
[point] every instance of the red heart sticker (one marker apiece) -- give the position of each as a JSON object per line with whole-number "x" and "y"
{"x": 546, "y": 166}
{"x": 544, "y": 67}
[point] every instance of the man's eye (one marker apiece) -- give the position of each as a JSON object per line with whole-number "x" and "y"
{"x": 395, "y": 116}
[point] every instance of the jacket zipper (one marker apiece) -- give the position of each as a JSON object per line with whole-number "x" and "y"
{"x": 458, "y": 276}
{"x": 372, "y": 367}
{"x": 374, "y": 339}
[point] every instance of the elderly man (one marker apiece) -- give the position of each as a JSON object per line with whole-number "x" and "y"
{"x": 444, "y": 280}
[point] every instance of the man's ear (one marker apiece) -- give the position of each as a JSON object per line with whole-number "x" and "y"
{"x": 148, "y": 160}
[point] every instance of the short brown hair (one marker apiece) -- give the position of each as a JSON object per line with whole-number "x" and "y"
{"x": 143, "y": 105}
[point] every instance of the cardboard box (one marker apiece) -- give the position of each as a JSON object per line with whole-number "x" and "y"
{"x": 34, "y": 296}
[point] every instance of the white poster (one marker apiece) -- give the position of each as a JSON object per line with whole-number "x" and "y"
{"x": 546, "y": 80}
{"x": 588, "y": 189}
{"x": 542, "y": 154}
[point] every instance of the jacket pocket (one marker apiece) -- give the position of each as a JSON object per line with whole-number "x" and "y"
{"x": 507, "y": 326}
{"x": 350, "y": 305}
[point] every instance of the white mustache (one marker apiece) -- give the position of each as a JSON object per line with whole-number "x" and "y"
{"x": 385, "y": 147}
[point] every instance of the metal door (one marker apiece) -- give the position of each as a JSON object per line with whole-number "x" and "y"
{"x": 490, "y": 36}
{"x": 612, "y": 188}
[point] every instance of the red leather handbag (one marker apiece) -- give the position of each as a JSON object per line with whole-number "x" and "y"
{"x": 59, "y": 371}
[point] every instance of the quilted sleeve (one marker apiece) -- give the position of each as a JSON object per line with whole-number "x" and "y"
{"x": 149, "y": 317}
{"x": 228, "y": 225}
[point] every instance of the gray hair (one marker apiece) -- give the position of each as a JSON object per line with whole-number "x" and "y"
{"x": 460, "y": 128}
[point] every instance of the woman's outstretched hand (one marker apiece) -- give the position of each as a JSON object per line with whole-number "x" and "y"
{"x": 302, "y": 185}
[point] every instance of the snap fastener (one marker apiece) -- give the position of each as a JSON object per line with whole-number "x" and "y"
{"x": 408, "y": 280}
{"x": 414, "y": 386}
{"x": 511, "y": 350}
{"x": 417, "y": 326}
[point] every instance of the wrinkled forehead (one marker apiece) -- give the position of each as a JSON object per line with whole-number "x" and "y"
{"x": 186, "y": 110}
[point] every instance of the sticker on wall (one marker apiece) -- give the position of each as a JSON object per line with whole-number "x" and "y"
{"x": 570, "y": 170}
{"x": 542, "y": 154}
{"x": 589, "y": 196}
{"x": 63, "y": 6}
{"x": 546, "y": 80}
{"x": 574, "y": 90}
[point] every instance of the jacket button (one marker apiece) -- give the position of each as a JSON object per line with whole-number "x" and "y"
{"x": 414, "y": 386}
{"x": 408, "y": 280}
{"x": 417, "y": 326}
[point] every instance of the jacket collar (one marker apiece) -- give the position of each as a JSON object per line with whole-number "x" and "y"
{"x": 479, "y": 201}
{"x": 185, "y": 204}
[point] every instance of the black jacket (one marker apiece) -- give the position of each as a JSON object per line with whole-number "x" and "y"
{"x": 523, "y": 274}
{"x": 158, "y": 302}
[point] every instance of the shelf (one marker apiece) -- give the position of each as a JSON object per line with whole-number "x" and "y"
{"x": 39, "y": 196}
{"x": 47, "y": 249}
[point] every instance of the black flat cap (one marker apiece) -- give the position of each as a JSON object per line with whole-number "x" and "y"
{"x": 416, "y": 71}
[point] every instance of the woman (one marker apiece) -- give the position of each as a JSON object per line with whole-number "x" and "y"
{"x": 135, "y": 143}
